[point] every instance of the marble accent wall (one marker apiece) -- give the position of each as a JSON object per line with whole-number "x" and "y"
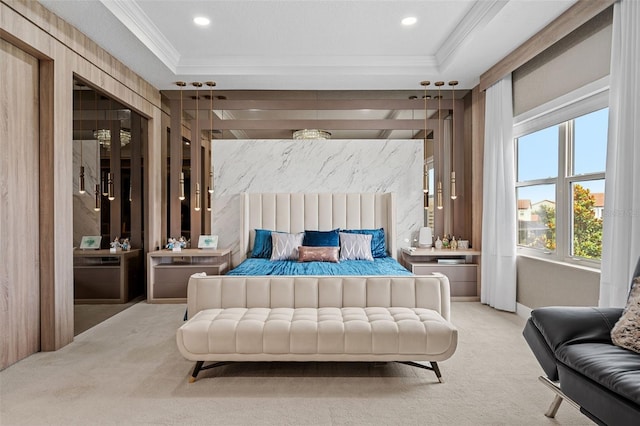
{"x": 316, "y": 166}
{"x": 86, "y": 221}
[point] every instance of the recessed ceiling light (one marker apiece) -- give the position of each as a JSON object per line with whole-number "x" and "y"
{"x": 410, "y": 20}
{"x": 201, "y": 20}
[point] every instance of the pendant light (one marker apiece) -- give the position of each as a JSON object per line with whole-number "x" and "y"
{"x": 196, "y": 206}
{"x": 98, "y": 192}
{"x": 210, "y": 188}
{"x": 181, "y": 197}
{"x": 111, "y": 191}
{"x": 439, "y": 204}
{"x": 111, "y": 194}
{"x": 81, "y": 186}
{"x": 454, "y": 194}
{"x": 425, "y": 167}
{"x": 96, "y": 207}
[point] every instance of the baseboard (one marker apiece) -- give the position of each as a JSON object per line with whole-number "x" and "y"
{"x": 523, "y": 311}
{"x": 465, "y": 299}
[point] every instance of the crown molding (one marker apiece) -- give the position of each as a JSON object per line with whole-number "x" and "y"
{"x": 307, "y": 65}
{"x": 480, "y": 14}
{"x": 135, "y": 20}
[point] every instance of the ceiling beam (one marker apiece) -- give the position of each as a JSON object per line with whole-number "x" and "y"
{"x": 318, "y": 124}
{"x": 358, "y": 104}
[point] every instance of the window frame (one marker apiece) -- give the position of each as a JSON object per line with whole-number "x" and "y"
{"x": 562, "y": 112}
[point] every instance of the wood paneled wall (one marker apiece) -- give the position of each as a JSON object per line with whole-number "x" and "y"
{"x": 19, "y": 187}
{"x": 64, "y": 52}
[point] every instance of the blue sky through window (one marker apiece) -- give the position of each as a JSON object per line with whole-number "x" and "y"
{"x": 538, "y": 154}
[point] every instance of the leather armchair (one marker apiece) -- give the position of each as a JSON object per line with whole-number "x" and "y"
{"x": 573, "y": 346}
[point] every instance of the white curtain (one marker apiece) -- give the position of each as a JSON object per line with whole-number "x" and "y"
{"x": 621, "y": 233}
{"x": 499, "y": 200}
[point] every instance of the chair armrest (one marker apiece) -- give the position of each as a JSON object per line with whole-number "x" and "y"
{"x": 541, "y": 350}
{"x": 560, "y": 325}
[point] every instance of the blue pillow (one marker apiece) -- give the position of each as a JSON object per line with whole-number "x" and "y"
{"x": 378, "y": 243}
{"x": 262, "y": 245}
{"x": 321, "y": 238}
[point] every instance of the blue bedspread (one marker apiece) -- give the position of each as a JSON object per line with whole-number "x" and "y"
{"x": 379, "y": 266}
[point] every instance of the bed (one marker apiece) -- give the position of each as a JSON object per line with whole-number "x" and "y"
{"x": 291, "y": 310}
{"x": 333, "y": 214}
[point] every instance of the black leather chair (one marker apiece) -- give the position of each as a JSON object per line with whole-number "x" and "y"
{"x": 573, "y": 346}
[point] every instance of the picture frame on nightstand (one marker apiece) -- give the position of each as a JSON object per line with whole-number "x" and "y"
{"x": 90, "y": 242}
{"x": 208, "y": 242}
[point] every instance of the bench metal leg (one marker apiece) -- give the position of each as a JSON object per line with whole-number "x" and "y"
{"x": 200, "y": 366}
{"x": 196, "y": 370}
{"x": 433, "y": 367}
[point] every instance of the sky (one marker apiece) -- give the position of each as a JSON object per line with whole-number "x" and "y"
{"x": 538, "y": 155}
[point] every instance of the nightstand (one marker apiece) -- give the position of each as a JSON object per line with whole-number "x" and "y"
{"x": 168, "y": 271}
{"x": 460, "y": 266}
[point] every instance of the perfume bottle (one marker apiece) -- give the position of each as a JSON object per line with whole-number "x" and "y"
{"x": 438, "y": 243}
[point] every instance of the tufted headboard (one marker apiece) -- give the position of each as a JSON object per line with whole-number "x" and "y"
{"x": 296, "y": 212}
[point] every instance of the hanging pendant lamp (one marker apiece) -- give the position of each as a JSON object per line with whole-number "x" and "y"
{"x": 210, "y": 188}
{"x": 439, "y": 204}
{"x": 454, "y": 194}
{"x": 196, "y": 205}
{"x": 181, "y": 196}
{"x": 425, "y": 166}
{"x": 81, "y": 184}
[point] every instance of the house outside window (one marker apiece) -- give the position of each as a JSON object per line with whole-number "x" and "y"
{"x": 560, "y": 183}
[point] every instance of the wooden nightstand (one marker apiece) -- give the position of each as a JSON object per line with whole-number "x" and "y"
{"x": 100, "y": 276}
{"x": 168, "y": 271}
{"x": 460, "y": 266}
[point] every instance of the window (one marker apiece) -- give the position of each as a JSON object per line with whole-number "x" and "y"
{"x": 560, "y": 186}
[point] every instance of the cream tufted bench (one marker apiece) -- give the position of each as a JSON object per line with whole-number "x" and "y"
{"x": 324, "y": 318}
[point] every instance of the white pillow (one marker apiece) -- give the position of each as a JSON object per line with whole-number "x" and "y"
{"x": 285, "y": 246}
{"x": 355, "y": 246}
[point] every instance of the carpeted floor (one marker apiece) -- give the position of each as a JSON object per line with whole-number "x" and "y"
{"x": 86, "y": 316}
{"x": 128, "y": 371}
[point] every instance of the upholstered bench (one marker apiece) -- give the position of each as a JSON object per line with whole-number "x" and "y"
{"x": 325, "y": 318}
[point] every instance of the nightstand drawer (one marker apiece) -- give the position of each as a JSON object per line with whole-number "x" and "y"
{"x": 453, "y": 272}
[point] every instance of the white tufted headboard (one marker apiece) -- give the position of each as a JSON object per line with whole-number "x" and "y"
{"x": 295, "y": 212}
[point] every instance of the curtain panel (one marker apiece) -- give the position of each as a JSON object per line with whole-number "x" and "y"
{"x": 621, "y": 225}
{"x": 499, "y": 226}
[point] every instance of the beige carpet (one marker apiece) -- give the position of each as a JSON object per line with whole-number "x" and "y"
{"x": 127, "y": 371}
{"x": 86, "y": 316}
